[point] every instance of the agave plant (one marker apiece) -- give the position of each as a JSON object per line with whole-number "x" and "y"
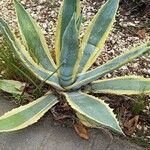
{"x": 69, "y": 76}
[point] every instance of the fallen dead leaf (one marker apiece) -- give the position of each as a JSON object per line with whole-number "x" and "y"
{"x": 141, "y": 33}
{"x": 82, "y": 131}
{"x": 131, "y": 125}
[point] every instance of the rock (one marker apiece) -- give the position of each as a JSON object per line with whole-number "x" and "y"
{"x": 127, "y": 24}
{"x": 44, "y": 25}
{"x": 124, "y": 68}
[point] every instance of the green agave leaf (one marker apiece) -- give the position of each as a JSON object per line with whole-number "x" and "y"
{"x": 4, "y": 25}
{"x": 26, "y": 115}
{"x": 65, "y": 14}
{"x": 41, "y": 73}
{"x": 12, "y": 86}
{"x": 69, "y": 54}
{"x": 111, "y": 65}
{"x": 87, "y": 121}
{"x": 97, "y": 33}
{"x": 94, "y": 109}
{"x": 79, "y": 21}
{"x": 33, "y": 38}
{"x": 128, "y": 85}
{"x": 23, "y": 55}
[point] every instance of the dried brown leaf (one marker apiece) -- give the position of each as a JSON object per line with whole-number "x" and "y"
{"x": 82, "y": 131}
{"x": 131, "y": 125}
{"x": 141, "y": 33}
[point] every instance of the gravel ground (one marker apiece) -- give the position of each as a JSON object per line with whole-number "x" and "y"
{"x": 125, "y": 34}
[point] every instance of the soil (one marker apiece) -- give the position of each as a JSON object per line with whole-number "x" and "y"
{"x": 132, "y": 28}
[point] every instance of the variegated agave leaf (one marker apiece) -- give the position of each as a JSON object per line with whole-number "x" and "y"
{"x": 26, "y": 115}
{"x": 33, "y": 38}
{"x": 128, "y": 85}
{"x": 68, "y": 8}
{"x": 94, "y": 109}
{"x": 127, "y": 56}
{"x": 97, "y": 33}
{"x": 11, "y": 86}
{"x": 69, "y": 54}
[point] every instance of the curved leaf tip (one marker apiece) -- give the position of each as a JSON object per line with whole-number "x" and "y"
{"x": 26, "y": 115}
